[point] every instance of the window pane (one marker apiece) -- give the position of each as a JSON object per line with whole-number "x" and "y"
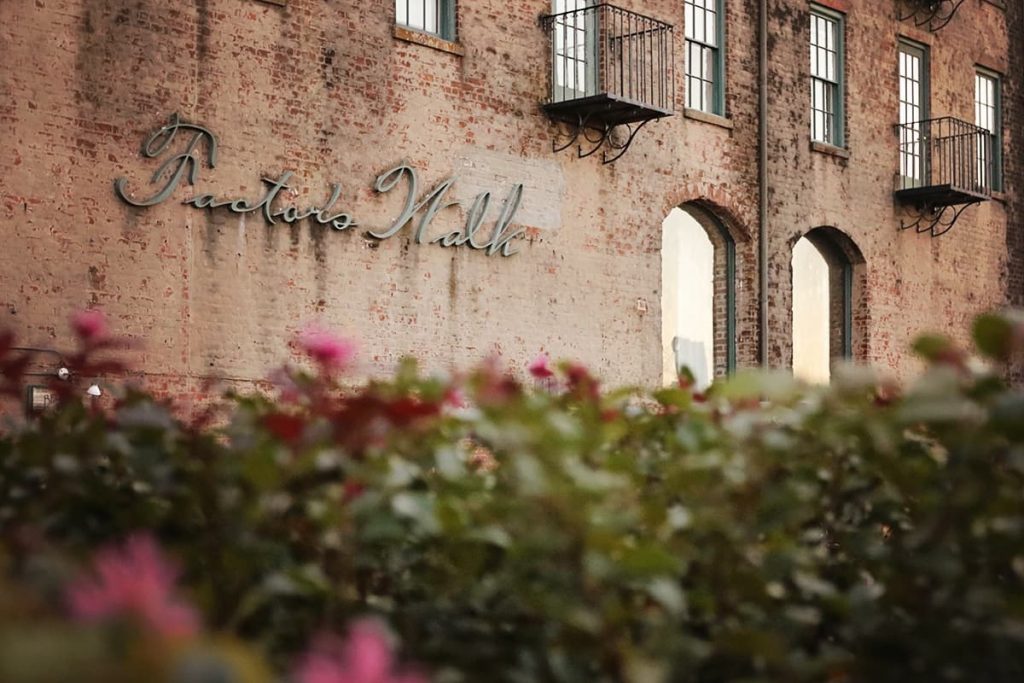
{"x": 986, "y": 115}
{"x": 573, "y": 50}
{"x": 825, "y": 76}
{"x": 431, "y": 16}
{"x": 423, "y": 15}
{"x": 702, "y": 56}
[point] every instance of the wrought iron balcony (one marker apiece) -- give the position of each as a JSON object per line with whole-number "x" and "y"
{"x": 609, "y": 67}
{"x": 946, "y": 165}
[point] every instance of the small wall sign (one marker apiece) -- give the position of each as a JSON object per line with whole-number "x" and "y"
{"x": 39, "y": 399}
{"x": 185, "y": 165}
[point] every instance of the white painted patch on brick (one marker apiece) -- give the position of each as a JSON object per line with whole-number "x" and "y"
{"x": 481, "y": 170}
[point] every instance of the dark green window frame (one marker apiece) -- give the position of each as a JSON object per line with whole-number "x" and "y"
{"x": 913, "y": 74}
{"x": 705, "y": 55}
{"x": 990, "y": 115}
{"x": 433, "y": 17}
{"x": 730, "y": 300}
{"x": 847, "y": 310}
{"x": 827, "y": 76}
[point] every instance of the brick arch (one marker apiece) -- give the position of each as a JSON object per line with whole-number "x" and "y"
{"x": 715, "y": 203}
{"x": 719, "y": 213}
{"x": 833, "y": 243}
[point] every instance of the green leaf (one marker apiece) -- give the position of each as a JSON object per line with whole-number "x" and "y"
{"x": 994, "y": 336}
{"x": 934, "y": 347}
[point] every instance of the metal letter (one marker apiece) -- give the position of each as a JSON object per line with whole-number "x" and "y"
{"x": 500, "y": 240}
{"x": 156, "y": 145}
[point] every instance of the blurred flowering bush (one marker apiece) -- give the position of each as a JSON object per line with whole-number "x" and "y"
{"x": 482, "y": 529}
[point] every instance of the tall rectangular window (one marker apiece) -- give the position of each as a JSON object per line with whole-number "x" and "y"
{"x": 705, "y": 64}
{"x": 987, "y": 115}
{"x": 826, "y": 76}
{"x": 430, "y": 16}
{"x": 913, "y": 76}
{"x": 575, "y": 50}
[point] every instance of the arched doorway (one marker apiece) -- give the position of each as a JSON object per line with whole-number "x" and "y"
{"x": 698, "y": 265}
{"x": 828, "y": 274}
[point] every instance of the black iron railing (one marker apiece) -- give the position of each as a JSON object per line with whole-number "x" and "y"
{"x": 612, "y": 53}
{"x": 944, "y": 161}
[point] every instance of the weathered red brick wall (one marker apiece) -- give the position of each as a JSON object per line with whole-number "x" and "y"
{"x": 327, "y": 90}
{"x": 913, "y": 282}
{"x": 1014, "y": 112}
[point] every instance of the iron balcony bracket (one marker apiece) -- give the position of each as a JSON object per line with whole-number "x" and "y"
{"x": 599, "y": 138}
{"x": 573, "y": 136}
{"x": 937, "y": 220}
{"x": 935, "y": 14}
{"x": 622, "y": 147}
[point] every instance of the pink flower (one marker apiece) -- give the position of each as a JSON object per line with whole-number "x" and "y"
{"x": 133, "y": 580}
{"x": 90, "y": 325}
{"x": 539, "y": 367}
{"x": 365, "y": 657}
{"x": 581, "y": 382}
{"x": 455, "y": 397}
{"x": 326, "y": 348}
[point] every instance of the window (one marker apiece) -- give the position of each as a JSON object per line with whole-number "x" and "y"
{"x": 705, "y": 65}
{"x": 575, "y": 50}
{"x": 827, "y": 77}
{"x": 430, "y": 16}
{"x": 913, "y": 76}
{"x": 698, "y": 296}
{"x": 987, "y": 115}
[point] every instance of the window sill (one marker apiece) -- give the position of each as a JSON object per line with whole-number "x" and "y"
{"x": 279, "y": 3}
{"x": 831, "y": 150}
{"x": 1000, "y": 196}
{"x": 428, "y": 40}
{"x": 713, "y": 119}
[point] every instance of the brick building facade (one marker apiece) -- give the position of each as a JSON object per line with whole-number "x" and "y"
{"x": 338, "y": 93}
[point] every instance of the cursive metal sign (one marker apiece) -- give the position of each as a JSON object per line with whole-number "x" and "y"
{"x": 185, "y": 165}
